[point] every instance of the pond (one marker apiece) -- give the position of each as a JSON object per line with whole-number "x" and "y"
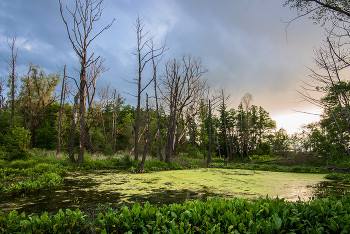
{"x": 86, "y": 190}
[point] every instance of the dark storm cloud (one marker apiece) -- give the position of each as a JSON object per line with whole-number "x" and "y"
{"x": 243, "y": 43}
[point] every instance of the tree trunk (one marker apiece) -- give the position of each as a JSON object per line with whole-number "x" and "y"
{"x": 12, "y": 64}
{"x": 209, "y": 149}
{"x": 60, "y": 112}
{"x": 142, "y": 164}
{"x": 157, "y": 109}
{"x": 242, "y": 148}
{"x": 247, "y": 136}
{"x": 225, "y": 132}
{"x": 74, "y": 124}
{"x": 82, "y": 112}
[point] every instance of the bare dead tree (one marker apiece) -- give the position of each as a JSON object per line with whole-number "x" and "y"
{"x": 143, "y": 59}
{"x": 213, "y": 101}
{"x": 2, "y": 96}
{"x": 73, "y": 127}
{"x": 142, "y": 164}
{"x": 84, "y": 16}
{"x": 247, "y": 100}
{"x": 63, "y": 95}
{"x": 181, "y": 88}
{"x": 116, "y": 106}
{"x": 101, "y": 106}
{"x": 224, "y": 97}
{"x": 155, "y": 63}
{"x": 328, "y": 80}
{"x": 94, "y": 71}
{"x": 12, "y": 78}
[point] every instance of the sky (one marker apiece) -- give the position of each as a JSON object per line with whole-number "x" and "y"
{"x": 246, "y": 46}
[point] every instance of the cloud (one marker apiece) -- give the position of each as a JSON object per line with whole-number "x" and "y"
{"x": 243, "y": 43}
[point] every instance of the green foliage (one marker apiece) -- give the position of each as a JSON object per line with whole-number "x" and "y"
{"x": 213, "y": 216}
{"x": 126, "y": 160}
{"x": 337, "y": 176}
{"x": 69, "y": 222}
{"x": 21, "y": 164}
{"x": 193, "y": 152}
{"x": 264, "y": 149}
{"x": 16, "y": 142}
{"x": 3, "y": 163}
{"x": 155, "y": 165}
{"x": 273, "y": 167}
{"x": 46, "y": 180}
{"x": 175, "y": 166}
{"x": 46, "y": 136}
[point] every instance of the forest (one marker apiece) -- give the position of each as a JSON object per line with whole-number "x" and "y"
{"x": 179, "y": 123}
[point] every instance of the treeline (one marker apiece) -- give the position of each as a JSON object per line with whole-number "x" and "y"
{"x": 180, "y": 114}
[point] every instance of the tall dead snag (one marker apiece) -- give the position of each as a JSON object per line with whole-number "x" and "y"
{"x": 224, "y": 97}
{"x": 212, "y": 103}
{"x": 2, "y": 100}
{"x": 11, "y": 69}
{"x": 143, "y": 59}
{"x": 209, "y": 147}
{"x": 85, "y": 14}
{"x": 2, "y": 96}
{"x": 247, "y": 100}
{"x": 155, "y": 64}
{"x": 63, "y": 95}
{"x": 94, "y": 71}
{"x": 142, "y": 164}
{"x": 181, "y": 88}
{"x": 73, "y": 128}
{"x": 331, "y": 60}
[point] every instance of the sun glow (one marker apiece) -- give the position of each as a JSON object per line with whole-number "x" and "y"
{"x": 292, "y": 122}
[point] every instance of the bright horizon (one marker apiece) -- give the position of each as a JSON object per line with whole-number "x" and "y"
{"x": 292, "y": 122}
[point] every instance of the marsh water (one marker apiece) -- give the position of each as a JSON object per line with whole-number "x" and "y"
{"x": 89, "y": 189}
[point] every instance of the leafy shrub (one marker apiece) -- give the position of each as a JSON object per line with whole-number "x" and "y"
{"x": 265, "y": 167}
{"x": 336, "y": 176}
{"x": 21, "y": 164}
{"x": 2, "y": 163}
{"x": 16, "y": 142}
{"x": 126, "y": 160}
{"x": 175, "y": 166}
{"x": 297, "y": 169}
{"x": 46, "y": 168}
{"x": 115, "y": 162}
{"x": 213, "y": 216}
{"x": 69, "y": 222}
{"x": 155, "y": 165}
{"x": 46, "y": 180}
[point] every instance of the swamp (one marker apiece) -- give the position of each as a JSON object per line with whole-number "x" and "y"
{"x": 88, "y": 190}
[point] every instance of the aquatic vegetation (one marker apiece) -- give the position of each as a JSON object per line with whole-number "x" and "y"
{"x": 337, "y": 176}
{"x": 29, "y": 180}
{"x": 201, "y": 183}
{"x": 274, "y": 167}
{"x": 21, "y": 164}
{"x": 345, "y": 178}
{"x": 264, "y": 215}
{"x": 46, "y": 180}
{"x": 70, "y": 221}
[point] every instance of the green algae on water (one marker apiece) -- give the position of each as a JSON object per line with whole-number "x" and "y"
{"x": 225, "y": 183}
